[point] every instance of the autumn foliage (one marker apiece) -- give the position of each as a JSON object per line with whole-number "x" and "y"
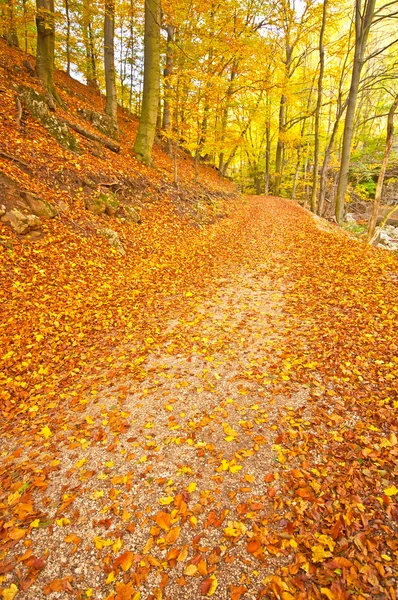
{"x": 211, "y": 414}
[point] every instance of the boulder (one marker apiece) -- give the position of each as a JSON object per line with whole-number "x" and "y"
{"x": 113, "y": 239}
{"x": 37, "y": 105}
{"x": 111, "y": 203}
{"x": 39, "y": 207}
{"x": 21, "y": 223}
{"x": 103, "y": 203}
{"x": 2, "y": 210}
{"x": 102, "y": 122}
{"x": 95, "y": 205}
{"x": 131, "y": 214}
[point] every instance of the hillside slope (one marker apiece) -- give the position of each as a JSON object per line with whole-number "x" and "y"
{"x": 44, "y": 155}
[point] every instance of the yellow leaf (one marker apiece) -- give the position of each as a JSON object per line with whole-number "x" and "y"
{"x": 235, "y": 468}
{"x": 80, "y": 463}
{"x": 319, "y": 553}
{"x": 89, "y": 592}
{"x": 110, "y": 578}
{"x": 117, "y": 545}
{"x": 191, "y": 570}
{"x": 391, "y": 491}
{"x": 165, "y": 501}
{"x": 89, "y": 420}
{"x": 101, "y": 543}
{"x": 35, "y": 523}
{"x": 192, "y": 487}
{"x": 63, "y": 522}
{"x": 293, "y": 543}
{"x": 46, "y": 432}
{"x": 97, "y": 494}
{"x": 328, "y": 593}
{"x": 10, "y": 593}
{"x": 213, "y": 585}
{"x": 188, "y": 294}
{"x": 109, "y": 464}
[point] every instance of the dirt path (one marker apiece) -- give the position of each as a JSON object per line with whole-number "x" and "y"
{"x": 228, "y": 464}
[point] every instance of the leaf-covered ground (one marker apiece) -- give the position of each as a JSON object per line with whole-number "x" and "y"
{"x": 210, "y": 415}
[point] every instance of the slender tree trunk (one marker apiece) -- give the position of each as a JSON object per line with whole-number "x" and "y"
{"x": 363, "y": 23}
{"x": 93, "y": 57}
{"x": 279, "y": 147}
{"x": 67, "y": 36}
{"x": 132, "y": 43}
{"x": 147, "y": 127}
{"x": 109, "y": 61}
{"x": 45, "y": 24}
{"x": 25, "y": 24}
{"x": 224, "y": 122}
{"x": 168, "y": 70}
{"x": 11, "y": 33}
{"x": 267, "y": 146}
{"x": 318, "y": 108}
{"x": 380, "y": 180}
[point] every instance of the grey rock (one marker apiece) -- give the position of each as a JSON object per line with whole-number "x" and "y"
{"x": 113, "y": 239}
{"x": 131, "y": 214}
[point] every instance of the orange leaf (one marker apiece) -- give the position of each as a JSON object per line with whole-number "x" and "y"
{"x": 253, "y": 546}
{"x": 237, "y": 592}
{"x": 163, "y": 520}
{"x": 172, "y": 535}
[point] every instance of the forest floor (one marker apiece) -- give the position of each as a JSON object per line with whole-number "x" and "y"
{"x": 211, "y": 415}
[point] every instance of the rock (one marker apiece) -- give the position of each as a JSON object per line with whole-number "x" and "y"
{"x": 113, "y": 239}
{"x": 349, "y": 218}
{"x": 100, "y": 121}
{"x": 131, "y": 214}
{"x": 103, "y": 203}
{"x": 95, "y": 205}
{"x": 38, "y": 106}
{"x": 21, "y": 223}
{"x": 63, "y": 206}
{"x": 39, "y": 207}
{"x": 2, "y": 210}
{"x": 111, "y": 203}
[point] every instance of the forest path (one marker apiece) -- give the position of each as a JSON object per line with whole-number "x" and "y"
{"x": 220, "y": 461}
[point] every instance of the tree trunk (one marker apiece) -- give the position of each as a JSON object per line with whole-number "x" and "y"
{"x": 11, "y": 34}
{"x": 67, "y": 37}
{"x": 318, "y": 108}
{"x": 363, "y": 23}
{"x": 45, "y": 24}
{"x": 168, "y": 70}
{"x": 279, "y": 147}
{"x": 380, "y": 180}
{"x": 147, "y": 127}
{"x": 109, "y": 61}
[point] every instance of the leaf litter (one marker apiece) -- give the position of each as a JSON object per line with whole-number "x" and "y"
{"x": 215, "y": 419}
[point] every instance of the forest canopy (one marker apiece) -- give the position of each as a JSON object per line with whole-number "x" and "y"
{"x": 289, "y": 98}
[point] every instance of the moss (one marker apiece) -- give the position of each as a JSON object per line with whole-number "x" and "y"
{"x": 37, "y": 105}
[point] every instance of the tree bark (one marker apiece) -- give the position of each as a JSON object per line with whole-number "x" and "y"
{"x": 67, "y": 41}
{"x": 147, "y": 127}
{"x": 45, "y": 24}
{"x": 168, "y": 70}
{"x": 318, "y": 108}
{"x": 109, "y": 61}
{"x": 380, "y": 180}
{"x": 363, "y": 23}
{"x": 11, "y": 33}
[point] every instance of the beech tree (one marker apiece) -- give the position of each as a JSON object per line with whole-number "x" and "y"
{"x": 45, "y": 23}
{"x": 150, "y": 101}
{"x": 109, "y": 61}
